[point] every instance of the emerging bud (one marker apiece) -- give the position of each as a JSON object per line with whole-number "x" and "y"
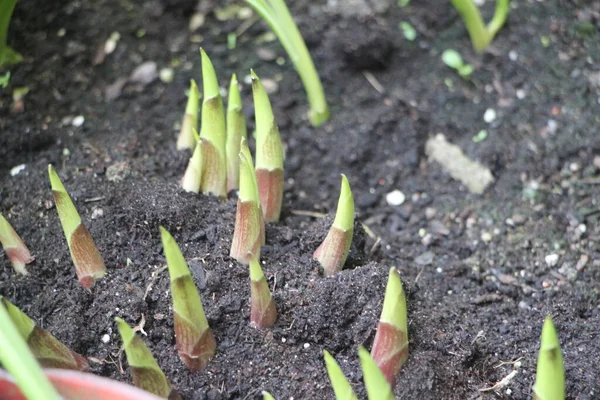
{"x": 550, "y": 375}
{"x": 236, "y": 130}
{"x": 48, "y": 350}
{"x": 186, "y": 139}
{"x": 267, "y": 396}
{"x": 341, "y": 386}
{"x": 269, "y": 153}
{"x": 145, "y": 371}
{"x": 390, "y": 348}
{"x": 193, "y": 174}
{"x": 212, "y": 132}
{"x": 332, "y": 253}
{"x": 195, "y": 341}
{"x": 249, "y": 232}
{"x": 88, "y": 262}
{"x": 15, "y": 249}
{"x": 377, "y": 386}
{"x": 263, "y": 312}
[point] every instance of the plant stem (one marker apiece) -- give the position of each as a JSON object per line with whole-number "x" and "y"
{"x": 499, "y": 18}
{"x": 480, "y": 37}
{"x": 7, "y": 55}
{"x": 18, "y": 360}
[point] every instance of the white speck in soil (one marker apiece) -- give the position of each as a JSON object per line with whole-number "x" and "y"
{"x": 489, "y": 116}
{"x": 14, "y": 171}
{"x": 78, "y": 121}
{"x": 105, "y": 338}
{"x": 551, "y": 260}
{"x": 395, "y": 198}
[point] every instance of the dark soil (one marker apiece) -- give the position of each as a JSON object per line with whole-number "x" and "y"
{"x": 474, "y": 266}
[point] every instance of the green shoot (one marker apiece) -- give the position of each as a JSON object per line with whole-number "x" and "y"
{"x": 390, "y": 348}
{"x": 481, "y": 35}
{"x": 48, "y": 350}
{"x": 145, "y": 371}
{"x": 332, "y": 253}
{"x": 88, "y": 262}
{"x": 267, "y": 396}
{"x": 269, "y": 153}
{"x": 7, "y": 55}
{"x": 377, "y": 386}
{"x": 193, "y": 174}
{"x": 263, "y": 312}
{"x": 550, "y": 375}
{"x": 195, "y": 341}
{"x": 249, "y": 232}
{"x": 186, "y": 139}
{"x": 453, "y": 59}
{"x": 236, "y": 130}
{"x": 15, "y": 249}
{"x": 341, "y": 386}
{"x": 212, "y": 133}
{"x": 277, "y": 15}
{"x": 20, "y": 363}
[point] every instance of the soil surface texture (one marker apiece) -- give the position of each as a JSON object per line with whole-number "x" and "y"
{"x": 481, "y": 271}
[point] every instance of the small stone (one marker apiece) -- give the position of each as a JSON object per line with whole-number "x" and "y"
{"x": 306, "y": 345}
{"x": 551, "y": 260}
{"x": 145, "y": 73}
{"x": 513, "y": 55}
{"x": 166, "y": 75}
{"x": 97, "y": 212}
{"x": 395, "y": 198}
{"x": 78, "y": 121}
{"x": 486, "y": 237}
{"x": 489, "y": 116}
{"x": 425, "y": 258}
{"x": 270, "y": 85}
{"x": 430, "y": 212}
{"x": 105, "y": 338}
{"x": 265, "y": 54}
{"x": 597, "y": 162}
{"x": 196, "y": 21}
{"x": 111, "y": 44}
{"x": 521, "y": 93}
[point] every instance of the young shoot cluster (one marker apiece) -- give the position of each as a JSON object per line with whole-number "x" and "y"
{"x": 481, "y": 34}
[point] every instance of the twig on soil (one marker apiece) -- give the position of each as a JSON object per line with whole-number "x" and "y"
{"x": 374, "y": 82}
{"x": 503, "y": 363}
{"x": 94, "y": 199}
{"x": 502, "y": 383}
{"x": 307, "y": 213}
{"x": 153, "y": 279}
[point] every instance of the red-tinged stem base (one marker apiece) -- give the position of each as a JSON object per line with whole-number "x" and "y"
{"x": 194, "y": 351}
{"x": 248, "y": 233}
{"x": 270, "y": 189}
{"x": 19, "y": 257}
{"x": 51, "y": 353}
{"x": 154, "y": 382}
{"x": 89, "y": 264}
{"x": 263, "y": 312}
{"x": 390, "y": 350}
{"x": 332, "y": 253}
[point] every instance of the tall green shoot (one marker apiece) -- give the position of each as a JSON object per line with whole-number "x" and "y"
{"x": 480, "y": 34}
{"x": 550, "y": 374}
{"x": 236, "y": 130}
{"x": 7, "y": 55}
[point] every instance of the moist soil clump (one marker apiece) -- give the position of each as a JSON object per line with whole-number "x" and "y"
{"x": 481, "y": 271}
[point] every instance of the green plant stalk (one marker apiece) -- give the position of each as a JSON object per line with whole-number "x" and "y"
{"x": 550, "y": 375}
{"x": 20, "y": 363}
{"x": 145, "y": 371}
{"x": 236, "y": 130}
{"x": 193, "y": 173}
{"x": 269, "y": 153}
{"x": 267, "y": 396}
{"x": 48, "y": 350}
{"x": 377, "y": 386}
{"x": 263, "y": 312}
{"x": 341, "y": 386}
{"x": 212, "y": 133}
{"x": 332, "y": 253}
{"x": 278, "y": 17}
{"x": 7, "y": 55}
{"x": 249, "y": 231}
{"x": 17, "y": 252}
{"x": 89, "y": 265}
{"x": 195, "y": 341}
{"x": 481, "y": 36}
{"x": 186, "y": 139}
{"x": 390, "y": 348}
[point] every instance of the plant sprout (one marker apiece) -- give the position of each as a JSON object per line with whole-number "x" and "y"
{"x": 332, "y": 253}
{"x": 15, "y": 249}
{"x": 145, "y": 371}
{"x": 277, "y": 15}
{"x": 48, "y": 350}
{"x": 453, "y": 59}
{"x": 267, "y": 396}
{"x": 377, "y": 386}
{"x": 236, "y": 130}
{"x": 481, "y": 35}
{"x": 195, "y": 341}
{"x": 212, "y": 133}
{"x": 193, "y": 173}
{"x": 186, "y": 139}
{"x": 550, "y": 375}
{"x": 7, "y": 55}
{"x": 88, "y": 262}
{"x": 341, "y": 386}
{"x": 249, "y": 232}
{"x": 390, "y": 348}
{"x": 20, "y": 363}
{"x": 269, "y": 153}
{"x": 263, "y": 312}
